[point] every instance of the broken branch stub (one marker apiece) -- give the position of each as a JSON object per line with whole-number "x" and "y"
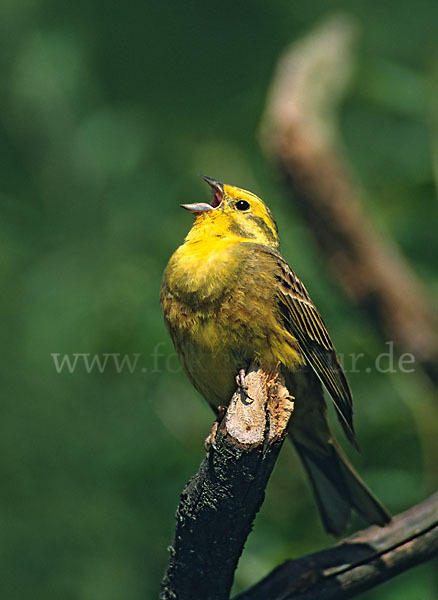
{"x": 260, "y": 413}
{"x": 218, "y": 505}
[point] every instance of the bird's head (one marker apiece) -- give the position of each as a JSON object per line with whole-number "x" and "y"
{"x": 233, "y": 212}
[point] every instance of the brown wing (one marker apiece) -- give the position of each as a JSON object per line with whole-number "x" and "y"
{"x": 304, "y": 322}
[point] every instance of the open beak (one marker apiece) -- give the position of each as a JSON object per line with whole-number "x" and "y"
{"x": 218, "y": 194}
{"x": 199, "y": 207}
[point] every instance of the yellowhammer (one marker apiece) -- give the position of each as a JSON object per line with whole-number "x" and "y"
{"x": 229, "y": 299}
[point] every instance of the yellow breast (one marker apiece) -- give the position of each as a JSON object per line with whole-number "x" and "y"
{"x": 220, "y": 307}
{"x": 202, "y": 270}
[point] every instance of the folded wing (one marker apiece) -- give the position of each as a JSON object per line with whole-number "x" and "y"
{"x": 303, "y": 321}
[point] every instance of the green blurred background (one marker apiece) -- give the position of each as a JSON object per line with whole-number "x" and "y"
{"x": 108, "y": 112}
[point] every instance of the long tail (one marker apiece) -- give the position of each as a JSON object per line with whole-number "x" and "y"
{"x": 337, "y": 486}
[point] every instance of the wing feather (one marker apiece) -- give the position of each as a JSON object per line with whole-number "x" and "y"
{"x": 304, "y": 322}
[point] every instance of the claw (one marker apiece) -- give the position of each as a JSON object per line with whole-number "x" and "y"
{"x": 242, "y": 385}
{"x": 210, "y": 440}
{"x": 240, "y": 380}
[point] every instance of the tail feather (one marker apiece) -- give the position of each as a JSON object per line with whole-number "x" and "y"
{"x": 338, "y": 488}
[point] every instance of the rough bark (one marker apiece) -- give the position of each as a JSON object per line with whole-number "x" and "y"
{"x": 218, "y": 505}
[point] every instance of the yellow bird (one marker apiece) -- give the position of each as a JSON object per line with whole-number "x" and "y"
{"x": 229, "y": 298}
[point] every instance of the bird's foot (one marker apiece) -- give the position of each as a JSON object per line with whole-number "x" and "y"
{"x": 240, "y": 380}
{"x": 242, "y": 385}
{"x": 210, "y": 440}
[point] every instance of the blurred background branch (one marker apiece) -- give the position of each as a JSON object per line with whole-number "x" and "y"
{"x": 299, "y": 132}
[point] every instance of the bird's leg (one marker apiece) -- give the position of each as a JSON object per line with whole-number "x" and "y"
{"x": 241, "y": 384}
{"x": 210, "y": 440}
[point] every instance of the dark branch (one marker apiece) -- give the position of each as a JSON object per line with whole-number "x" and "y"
{"x": 358, "y": 563}
{"x": 219, "y": 503}
{"x": 300, "y": 134}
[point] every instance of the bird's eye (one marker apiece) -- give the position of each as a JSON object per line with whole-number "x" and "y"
{"x": 242, "y": 205}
